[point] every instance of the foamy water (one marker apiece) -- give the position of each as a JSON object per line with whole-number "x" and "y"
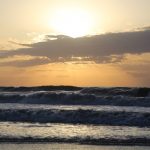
{"x": 101, "y": 116}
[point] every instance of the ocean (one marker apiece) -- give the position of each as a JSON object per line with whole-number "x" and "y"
{"x": 67, "y": 116}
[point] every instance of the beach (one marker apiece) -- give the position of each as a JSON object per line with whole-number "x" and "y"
{"x": 55, "y": 146}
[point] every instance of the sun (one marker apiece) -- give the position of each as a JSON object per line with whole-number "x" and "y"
{"x": 72, "y": 22}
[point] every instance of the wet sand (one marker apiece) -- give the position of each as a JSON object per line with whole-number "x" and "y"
{"x": 55, "y": 146}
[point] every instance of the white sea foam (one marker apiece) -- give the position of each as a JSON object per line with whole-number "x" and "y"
{"x": 84, "y": 96}
{"x": 76, "y": 108}
{"x": 107, "y": 135}
{"x": 75, "y": 116}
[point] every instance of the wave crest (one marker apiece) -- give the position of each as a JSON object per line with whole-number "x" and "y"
{"x": 77, "y": 116}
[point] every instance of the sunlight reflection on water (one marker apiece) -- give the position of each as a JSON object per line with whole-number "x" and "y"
{"x": 56, "y": 146}
{"x": 52, "y": 130}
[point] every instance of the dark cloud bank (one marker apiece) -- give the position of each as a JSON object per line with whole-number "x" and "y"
{"x": 98, "y": 48}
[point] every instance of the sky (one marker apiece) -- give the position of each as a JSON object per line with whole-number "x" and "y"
{"x": 75, "y": 42}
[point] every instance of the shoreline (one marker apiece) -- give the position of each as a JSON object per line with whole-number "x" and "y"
{"x": 64, "y": 146}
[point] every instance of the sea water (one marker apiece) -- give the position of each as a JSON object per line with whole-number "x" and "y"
{"x": 93, "y": 116}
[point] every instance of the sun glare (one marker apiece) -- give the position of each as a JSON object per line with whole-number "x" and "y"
{"x": 74, "y": 23}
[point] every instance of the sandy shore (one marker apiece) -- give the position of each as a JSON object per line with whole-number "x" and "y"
{"x": 55, "y": 146}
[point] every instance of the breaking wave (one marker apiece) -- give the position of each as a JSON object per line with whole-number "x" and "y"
{"x": 137, "y": 92}
{"x": 90, "y": 107}
{"x": 60, "y": 95}
{"x": 78, "y": 116}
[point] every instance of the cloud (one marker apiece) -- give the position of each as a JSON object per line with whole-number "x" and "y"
{"x": 35, "y": 61}
{"x": 105, "y": 48}
{"x": 143, "y": 28}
